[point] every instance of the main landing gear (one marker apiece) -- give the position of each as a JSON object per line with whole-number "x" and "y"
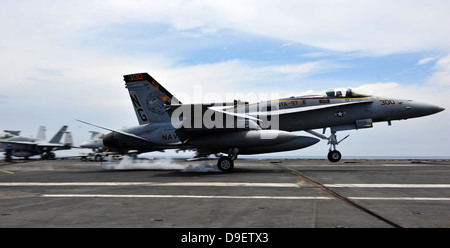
{"x": 333, "y": 154}
{"x": 226, "y": 163}
{"x": 48, "y": 155}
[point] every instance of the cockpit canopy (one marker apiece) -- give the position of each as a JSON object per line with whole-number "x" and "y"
{"x": 344, "y": 93}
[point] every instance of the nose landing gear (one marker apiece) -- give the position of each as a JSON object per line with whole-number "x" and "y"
{"x": 333, "y": 154}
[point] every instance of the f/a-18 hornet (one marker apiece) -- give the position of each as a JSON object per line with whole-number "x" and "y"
{"x": 27, "y": 147}
{"x": 241, "y": 128}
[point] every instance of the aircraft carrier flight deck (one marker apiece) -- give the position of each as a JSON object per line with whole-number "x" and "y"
{"x": 305, "y": 193}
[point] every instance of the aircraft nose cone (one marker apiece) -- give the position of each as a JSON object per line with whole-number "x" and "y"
{"x": 85, "y": 144}
{"x": 422, "y": 109}
{"x": 92, "y": 144}
{"x": 432, "y": 109}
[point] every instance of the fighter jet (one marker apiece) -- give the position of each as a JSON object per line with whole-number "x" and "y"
{"x": 27, "y": 147}
{"x": 99, "y": 150}
{"x": 95, "y": 142}
{"x": 241, "y": 128}
{"x": 9, "y": 134}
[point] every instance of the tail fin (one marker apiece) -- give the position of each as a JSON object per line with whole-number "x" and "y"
{"x": 149, "y": 98}
{"x": 93, "y": 134}
{"x": 58, "y": 135}
{"x": 68, "y": 140}
{"x": 41, "y": 133}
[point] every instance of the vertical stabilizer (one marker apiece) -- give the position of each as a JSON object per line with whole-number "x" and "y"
{"x": 68, "y": 140}
{"x": 41, "y": 132}
{"x": 93, "y": 134}
{"x": 149, "y": 98}
{"x": 58, "y": 135}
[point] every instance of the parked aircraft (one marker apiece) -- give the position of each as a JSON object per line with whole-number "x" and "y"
{"x": 9, "y": 134}
{"x": 95, "y": 142}
{"x": 27, "y": 147}
{"x": 242, "y": 128}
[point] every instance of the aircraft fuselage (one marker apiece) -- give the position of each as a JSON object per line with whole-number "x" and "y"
{"x": 251, "y": 128}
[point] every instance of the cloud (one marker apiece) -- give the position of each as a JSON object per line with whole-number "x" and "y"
{"x": 374, "y": 27}
{"x": 441, "y": 76}
{"x": 240, "y": 78}
{"x": 380, "y": 88}
{"x": 377, "y": 27}
{"x": 422, "y": 93}
{"x": 426, "y": 60}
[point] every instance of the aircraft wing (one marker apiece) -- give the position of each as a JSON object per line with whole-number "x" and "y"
{"x": 247, "y": 121}
{"x": 194, "y": 126}
{"x": 18, "y": 142}
{"x": 250, "y": 116}
{"x": 51, "y": 145}
{"x": 308, "y": 108}
{"x": 238, "y": 115}
{"x": 40, "y": 145}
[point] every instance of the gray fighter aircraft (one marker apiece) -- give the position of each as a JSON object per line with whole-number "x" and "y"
{"x": 9, "y": 134}
{"x": 242, "y": 128}
{"x": 95, "y": 142}
{"x": 27, "y": 147}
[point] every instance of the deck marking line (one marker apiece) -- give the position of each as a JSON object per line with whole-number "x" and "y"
{"x": 190, "y": 196}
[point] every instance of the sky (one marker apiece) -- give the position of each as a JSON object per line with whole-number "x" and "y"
{"x": 65, "y": 60}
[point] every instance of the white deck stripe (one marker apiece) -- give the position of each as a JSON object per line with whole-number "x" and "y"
{"x": 222, "y": 184}
{"x": 419, "y": 186}
{"x": 192, "y": 196}
{"x": 402, "y": 198}
{"x": 170, "y": 184}
{"x": 245, "y": 197}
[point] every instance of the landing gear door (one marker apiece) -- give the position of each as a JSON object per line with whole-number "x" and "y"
{"x": 364, "y": 123}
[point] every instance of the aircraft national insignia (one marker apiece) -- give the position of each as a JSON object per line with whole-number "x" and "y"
{"x": 340, "y": 113}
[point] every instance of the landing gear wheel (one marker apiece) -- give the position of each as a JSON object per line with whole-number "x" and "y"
{"x": 45, "y": 155}
{"x": 334, "y": 156}
{"x": 98, "y": 158}
{"x": 225, "y": 164}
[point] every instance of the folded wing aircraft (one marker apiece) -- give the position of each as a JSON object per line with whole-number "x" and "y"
{"x": 27, "y": 147}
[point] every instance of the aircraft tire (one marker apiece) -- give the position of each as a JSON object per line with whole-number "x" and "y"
{"x": 225, "y": 164}
{"x": 334, "y": 156}
{"x": 98, "y": 158}
{"x": 44, "y": 155}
